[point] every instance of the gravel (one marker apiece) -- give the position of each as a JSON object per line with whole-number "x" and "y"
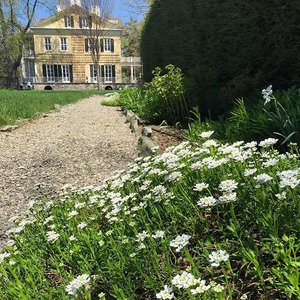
{"x": 81, "y": 145}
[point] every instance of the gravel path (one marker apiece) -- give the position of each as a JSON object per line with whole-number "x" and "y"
{"x": 81, "y": 145}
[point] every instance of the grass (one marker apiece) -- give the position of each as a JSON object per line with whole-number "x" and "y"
{"x": 204, "y": 220}
{"x": 18, "y": 104}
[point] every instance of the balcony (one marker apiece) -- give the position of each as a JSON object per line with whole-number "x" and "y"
{"x": 131, "y": 61}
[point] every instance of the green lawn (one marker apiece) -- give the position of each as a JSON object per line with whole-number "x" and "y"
{"x": 18, "y": 104}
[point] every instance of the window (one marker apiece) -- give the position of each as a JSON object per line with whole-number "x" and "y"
{"x": 63, "y": 44}
{"x": 93, "y": 73}
{"x": 89, "y": 43}
{"x": 108, "y": 73}
{"x": 85, "y": 22}
{"x": 69, "y": 21}
{"x": 107, "y": 45}
{"x": 47, "y": 43}
{"x": 57, "y": 73}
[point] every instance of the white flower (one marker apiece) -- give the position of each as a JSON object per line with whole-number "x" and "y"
{"x": 267, "y": 93}
{"x": 206, "y": 134}
{"x": 218, "y": 256}
{"x": 268, "y": 142}
{"x": 101, "y": 243}
{"x": 72, "y": 213}
{"x": 141, "y": 246}
{"x": 249, "y": 172}
{"x": 79, "y": 205}
{"x": 180, "y": 241}
{"x": 142, "y": 236}
{"x": 281, "y": 196}
{"x": 72, "y": 238}
{"x": 262, "y": 178}
{"x": 288, "y": 178}
{"x": 3, "y": 256}
{"x": 73, "y": 287}
{"x": 218, "y": 288}
{"x": 158, "y": 234}
{"x": 202, "y": 288}
{"x": 49, "y": 219}
{"x": 52, "y": 236}
{"x": 270, "y": 162}
{"x": 173, "y": 176}
{"x": 210, "y": 143}
{"x": 185, "y": 280}
{"x": 228, "y": 185}
{"x": 228, "y": 197}
{"x": 207, "y": 201}
{"x": 166, "y": 293}
{"x": 82, "y": 225}
{"x": 200, "y": 186}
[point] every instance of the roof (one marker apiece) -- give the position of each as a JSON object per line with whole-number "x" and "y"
{"x": 74, "y": 9}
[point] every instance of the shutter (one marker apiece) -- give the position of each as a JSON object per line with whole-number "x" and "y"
{"x": 91, "y": 71}
{"x": 112, "y": 45}
{"x": 113, "y": 67}
{"x": 86, "y": 45}
{"x": 44, "y": 72}
{"x": 59, "y": 70}
{"x": 101, "y": 45}
{"x": 102, "y": 72}
{"x": 90, "y": 22}
{"x": 80, "y": 22}
{"x": 66, "y": 24}
{"x": 72, "y": 21}
{"x": 71, "y": 73}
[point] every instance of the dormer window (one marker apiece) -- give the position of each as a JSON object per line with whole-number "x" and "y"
{"x": 85, "y": 22}
{"x": 69, "y": 21}
{"x": 47, "y": 43}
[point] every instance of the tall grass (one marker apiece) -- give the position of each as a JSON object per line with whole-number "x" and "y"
{"x": 15, "y": 104}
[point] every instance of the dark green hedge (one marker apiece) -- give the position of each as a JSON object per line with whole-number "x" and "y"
{"x": 227, "y": 49}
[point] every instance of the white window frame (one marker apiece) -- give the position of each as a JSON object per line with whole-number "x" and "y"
{"x": 47, "y": 43}
{"x": 85, "y": 22}
{"x": 93, "y": 79}
{"x": 50, "y": 75}
{"x": 108, "y": 72}
{"x": 66, "y": 75}
{"x": 63, "y": 44}
{"x": 107, "y": 45}
{"x": 68, "y": 22}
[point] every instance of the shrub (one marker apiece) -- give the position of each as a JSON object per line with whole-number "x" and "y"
{"x": 133, "y": 99}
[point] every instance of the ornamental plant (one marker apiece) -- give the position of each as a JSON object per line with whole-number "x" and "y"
{"x": 203, "y": 220}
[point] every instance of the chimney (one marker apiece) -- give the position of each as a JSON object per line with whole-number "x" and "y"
{"x": 75, "y": 2}
{"x": 95, "y": 9}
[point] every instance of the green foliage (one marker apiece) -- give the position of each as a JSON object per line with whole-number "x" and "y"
{"x": 133, "y": 99}
{"x": 163, "y": 99}
{"x": 113, "y": 100}
{"x": 280, "y": 118}
{"x": 16, "y": 104}
{"x": 226, "y": 49}
{"x": 166, "y": 215}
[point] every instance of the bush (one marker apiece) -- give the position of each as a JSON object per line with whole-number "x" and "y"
{"x": 226, "y": 49}
{"x": 133, "y": 99}
{"x": 278, "y": 118}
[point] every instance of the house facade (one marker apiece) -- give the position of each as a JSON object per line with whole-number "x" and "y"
{"x": 71, "y": 46}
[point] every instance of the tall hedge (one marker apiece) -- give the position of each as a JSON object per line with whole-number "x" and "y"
{"x": 227, "y": 49}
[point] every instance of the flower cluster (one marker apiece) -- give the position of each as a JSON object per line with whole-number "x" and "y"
{"x": 75, "y": 285}
{"x": 180, "y": 241}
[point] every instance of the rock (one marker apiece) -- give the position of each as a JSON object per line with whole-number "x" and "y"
{"x": 129, "y": 116}
{"x": 134, "y": 126}
{"x": 147, "y": 131}
{"x": 148, "y": 147}
{"x": 21, "y": 122}
{"x": 8, "y": 128}
{"x": 57, "y": 107}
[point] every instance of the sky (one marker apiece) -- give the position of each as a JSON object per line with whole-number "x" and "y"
{"x": 119, "y": 8}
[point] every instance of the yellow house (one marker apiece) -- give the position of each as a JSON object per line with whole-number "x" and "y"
{"x": 72, "y": 45}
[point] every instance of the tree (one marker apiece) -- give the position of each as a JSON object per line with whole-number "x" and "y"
{"x": 132, "y": 37}
{"x": 15, "y": 20}
{"x": 94, "y": 19}
{"x": 226, "y": 49}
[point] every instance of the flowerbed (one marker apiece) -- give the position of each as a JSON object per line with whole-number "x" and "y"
{"x": 201, "y": 221}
